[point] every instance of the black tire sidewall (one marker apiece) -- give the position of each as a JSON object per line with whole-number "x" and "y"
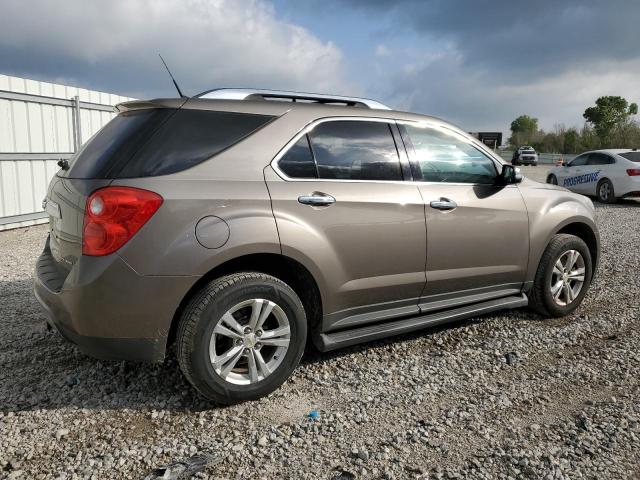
{"x": 573, "y": 243}
{"x": 204, "y": 375}
{"x": 553, "y": 180}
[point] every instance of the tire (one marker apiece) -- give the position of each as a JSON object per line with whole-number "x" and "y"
{"x": 552, "y": 179}
{"x": 197, "y": 341}
{"x": 605, "y": 191}
{"x": 541, "y": 298}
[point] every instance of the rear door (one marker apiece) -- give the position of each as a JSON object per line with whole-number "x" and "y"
{"x": 598, "y": 165}
{"x": 477, "y": 230}
{"x": 343, "y": 209}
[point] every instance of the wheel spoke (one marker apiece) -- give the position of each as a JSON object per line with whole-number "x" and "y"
{"x": 568, "y": 293}
{"x": 256, "y": 308}
{"x": 266, "y": 311}
{"x": 559, "y": 267}
{"x": 222, "y": 330}
{"x": 231, "y": 363}
{"x": 557, "y": 289}
{"x": 276, "y": 332}
{"x": 571, "y": 260}
{"x": 262, "y": 366}
{"x": 228, "y": 355}
{"x": 577, "y": 274}
{"x": 253, "y": 368}
{"x": 276, "y": 342}
{"x": 229, "y": 320}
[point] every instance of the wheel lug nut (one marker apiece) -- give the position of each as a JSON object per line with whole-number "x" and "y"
{"x": 258, "y": 346}
{"x": 247, "y": 330}
{"x": 246, "y": 350}
{"x": 259, "y": 333}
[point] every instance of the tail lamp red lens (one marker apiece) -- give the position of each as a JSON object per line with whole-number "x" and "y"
{"x": 114, "y": 215}
{"x": 633, "y": 172}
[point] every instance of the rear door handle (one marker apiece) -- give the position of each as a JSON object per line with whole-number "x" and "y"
{"x": 317, "y": 199}
{"x": 443, "y": 204}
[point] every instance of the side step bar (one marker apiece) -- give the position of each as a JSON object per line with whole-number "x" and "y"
{"x": 331, "y": 341}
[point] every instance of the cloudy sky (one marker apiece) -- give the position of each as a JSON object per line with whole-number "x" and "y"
{"x": 478, "y": 63}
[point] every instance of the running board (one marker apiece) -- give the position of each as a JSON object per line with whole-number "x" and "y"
{"x": 331, "y": 341}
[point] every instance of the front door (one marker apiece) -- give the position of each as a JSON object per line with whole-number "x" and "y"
{"x": 343, "y": 210}
{"x": 569, "y": 174}
{"x": 477, "y": 230}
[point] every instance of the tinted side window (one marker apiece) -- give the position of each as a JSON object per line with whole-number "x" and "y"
{"x": 355, "y": 150}
{"x": 633, "y": 156}
{"x": 188, "y": 138}
{"x": 298, "y": 161}
{"x": 437, "y": 156}
{"x": 599, "y": 159}
{"x": 579, "y": 160}
{"x": 118, "y": 140}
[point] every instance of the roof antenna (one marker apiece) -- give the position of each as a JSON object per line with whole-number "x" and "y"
{"x": 174, "y": 80}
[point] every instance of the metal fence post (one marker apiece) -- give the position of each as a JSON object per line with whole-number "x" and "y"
{"x": 77, "y": 123}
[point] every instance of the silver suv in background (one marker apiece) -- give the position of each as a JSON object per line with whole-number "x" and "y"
{"x": 525, "y": 156}
{"x": 238, "y": 224}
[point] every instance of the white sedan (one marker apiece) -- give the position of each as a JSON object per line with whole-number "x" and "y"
{"x": 607, "y": 174}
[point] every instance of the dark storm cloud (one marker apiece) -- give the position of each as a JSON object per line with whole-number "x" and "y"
{"x": 112, "y": 45}
{"x": 521, "y": 38}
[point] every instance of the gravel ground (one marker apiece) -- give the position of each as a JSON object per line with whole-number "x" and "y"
{"x": 508, "y": 395}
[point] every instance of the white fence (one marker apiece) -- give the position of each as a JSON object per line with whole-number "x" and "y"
{"x": 41, "y": 123}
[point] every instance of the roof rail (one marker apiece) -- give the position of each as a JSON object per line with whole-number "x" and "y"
{"x": 253, "y": 94}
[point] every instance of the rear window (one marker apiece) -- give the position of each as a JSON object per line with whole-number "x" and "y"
{"x": 633, "y": 156}
{"x": 153, "y": 142}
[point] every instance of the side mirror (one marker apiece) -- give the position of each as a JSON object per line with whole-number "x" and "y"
{"x": 510, "y": 174}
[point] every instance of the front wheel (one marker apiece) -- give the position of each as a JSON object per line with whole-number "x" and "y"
{"x": 563, "y": 276}
{"x": 241, "y": 337}
{"x": 552, "y": 179}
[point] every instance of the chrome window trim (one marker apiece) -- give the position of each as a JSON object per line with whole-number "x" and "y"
{"x": 427, "y": 123}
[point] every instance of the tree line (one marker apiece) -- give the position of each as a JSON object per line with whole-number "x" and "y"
{"x": 610, "y": 123}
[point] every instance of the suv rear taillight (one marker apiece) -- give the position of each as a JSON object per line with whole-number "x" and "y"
{"x": 633, "y": 172}
{"x": 114, "y": 215}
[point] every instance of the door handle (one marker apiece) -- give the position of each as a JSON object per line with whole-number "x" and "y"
{"x": 317, "y": 199}
{"x": 443, "y": 204}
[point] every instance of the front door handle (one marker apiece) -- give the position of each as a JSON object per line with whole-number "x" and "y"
{"x": 443, "y": 204}
{"x": 317, "y": 199}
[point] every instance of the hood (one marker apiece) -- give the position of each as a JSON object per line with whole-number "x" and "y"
{"x": 529, "y": 183}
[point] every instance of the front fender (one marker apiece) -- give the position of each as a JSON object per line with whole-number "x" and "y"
{"x": 550, "y": 211}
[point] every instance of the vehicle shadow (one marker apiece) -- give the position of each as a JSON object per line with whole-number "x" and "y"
{"x": 39, "y": 370}
{"x": 621, "y": 203}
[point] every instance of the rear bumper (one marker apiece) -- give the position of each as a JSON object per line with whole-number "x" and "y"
{"x": 107, "y": 309}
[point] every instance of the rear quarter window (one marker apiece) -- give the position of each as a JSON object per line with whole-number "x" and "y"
{"x": 633, "y": 156}
{"x": 161, "y": 141}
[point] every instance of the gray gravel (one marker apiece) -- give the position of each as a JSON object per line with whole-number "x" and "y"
{"x": 508, "y": 395}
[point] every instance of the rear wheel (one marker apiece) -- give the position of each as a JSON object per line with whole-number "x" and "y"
{"x": 605, "y": 191}
{"x": 241, "y": 337}
{"x": 563, "y": 276}
{"x": 552, "y": 179}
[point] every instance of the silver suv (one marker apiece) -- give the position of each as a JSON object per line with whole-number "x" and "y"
{"x": 237, "y": 224}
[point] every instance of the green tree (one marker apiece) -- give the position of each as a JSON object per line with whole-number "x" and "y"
{"x": 609, "y": 113}
{"x": 571, "y": 141}
{"x": 523, "y": 130}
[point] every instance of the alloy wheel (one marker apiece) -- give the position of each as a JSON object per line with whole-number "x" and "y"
{"x": 605, "y": 191}
{"x": 567, "y": 278}
{"x": 250, "y": 341}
